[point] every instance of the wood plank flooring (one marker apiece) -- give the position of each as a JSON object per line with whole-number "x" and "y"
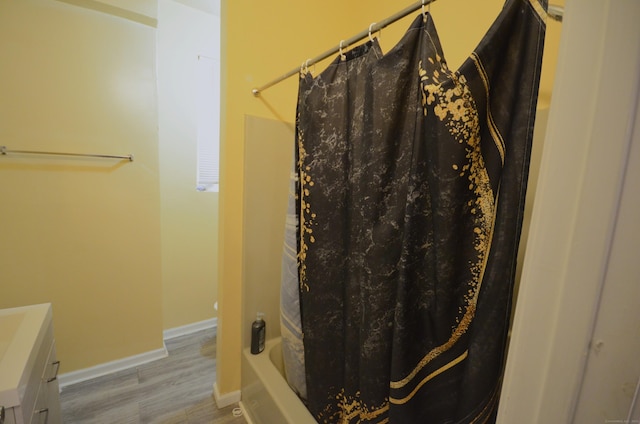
{"x": 174, "y": 390}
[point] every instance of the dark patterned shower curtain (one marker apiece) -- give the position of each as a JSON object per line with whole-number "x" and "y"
{"x": 410, "y": 196}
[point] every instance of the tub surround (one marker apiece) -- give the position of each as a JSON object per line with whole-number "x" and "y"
{"x": 266, "y": 396}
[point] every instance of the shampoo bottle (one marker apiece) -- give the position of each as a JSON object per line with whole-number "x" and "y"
{"x": 257, "y": 334}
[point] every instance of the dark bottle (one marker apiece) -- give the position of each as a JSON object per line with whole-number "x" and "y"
{"x": 258, "y": 329}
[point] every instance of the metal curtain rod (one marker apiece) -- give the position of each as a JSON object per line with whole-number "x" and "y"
{"x": 554, "y": 12}
{"x": 5, "y": 151}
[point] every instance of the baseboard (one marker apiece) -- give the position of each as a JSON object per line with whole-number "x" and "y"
{"x": 189, "y": 328}
{"x": 246, "y": 416}
{"x": 100, "y": 370}
{"x": 78, "y": 376}
{"x": 225, "y": 399}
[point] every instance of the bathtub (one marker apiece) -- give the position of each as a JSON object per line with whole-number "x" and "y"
{"x": 266, "y": 396}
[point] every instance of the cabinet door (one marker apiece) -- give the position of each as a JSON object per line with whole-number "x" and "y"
{"x": 9, "y": 416}
{"x": 50, "y": 389}
{"x": 40, "y": 413}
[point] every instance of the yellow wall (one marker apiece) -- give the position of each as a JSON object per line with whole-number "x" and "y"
{"x": 111, "y": 244}
{"x": 262, "y": 40}
{"x": 81, "y": 233}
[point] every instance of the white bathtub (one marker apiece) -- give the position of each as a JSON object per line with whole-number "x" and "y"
{"x": 266, "y": 396}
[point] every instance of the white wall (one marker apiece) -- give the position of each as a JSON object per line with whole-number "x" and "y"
{"x": 189, "y": 218}
{"x": 578, "y": 273}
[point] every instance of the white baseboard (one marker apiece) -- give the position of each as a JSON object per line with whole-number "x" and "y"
{"x": 100, "y": 370}
{"x": 225, "y": 399}
{"x": 73, "y": 377}
{"x": 189, "y": 328}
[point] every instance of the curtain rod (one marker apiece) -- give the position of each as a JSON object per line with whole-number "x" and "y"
{"x": 5, "y": 151}
{"x": 554, "y": 12}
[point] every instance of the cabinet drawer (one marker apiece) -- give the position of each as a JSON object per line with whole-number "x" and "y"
{"x": 40, "y": 414}
{"x": 51, "y": 366}
{"x": 35, "y": 376}
{"x": 51, "y": 388}
{"x": 9, "y": 416}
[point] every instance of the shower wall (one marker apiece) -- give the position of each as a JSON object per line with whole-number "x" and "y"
{"x": 267, "y": 164}
{"x": 539, "y": 133}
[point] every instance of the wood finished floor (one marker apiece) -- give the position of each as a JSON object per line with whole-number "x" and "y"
{"x": 174, "y": 390}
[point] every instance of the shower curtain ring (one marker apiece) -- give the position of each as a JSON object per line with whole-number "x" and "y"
{"x": 371, "y": 26}
{"x": 342, "y": 55}
{"x": 424, "y": 11}
{"x": 306, "y": 66}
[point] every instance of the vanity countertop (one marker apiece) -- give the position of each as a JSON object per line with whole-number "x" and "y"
{"x": 21, "y": 331}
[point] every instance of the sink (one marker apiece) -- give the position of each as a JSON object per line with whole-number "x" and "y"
{"x": 9, "y": 324}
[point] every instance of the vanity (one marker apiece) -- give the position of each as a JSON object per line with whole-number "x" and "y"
{"x": 29, "y": 392}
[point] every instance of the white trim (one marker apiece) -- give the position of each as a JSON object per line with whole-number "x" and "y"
{"x": 224, "y": 400}
{"x": 189, "y": 328}
{"x": 246, "y": 416}
{"x": 100, "y": 370}
{"x": 574, "y": 217}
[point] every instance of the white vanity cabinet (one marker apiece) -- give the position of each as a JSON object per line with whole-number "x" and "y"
{"x": 29, "y": 392}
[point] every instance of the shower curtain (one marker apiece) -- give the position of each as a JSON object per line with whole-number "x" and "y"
{"x": 410, "y": 185}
